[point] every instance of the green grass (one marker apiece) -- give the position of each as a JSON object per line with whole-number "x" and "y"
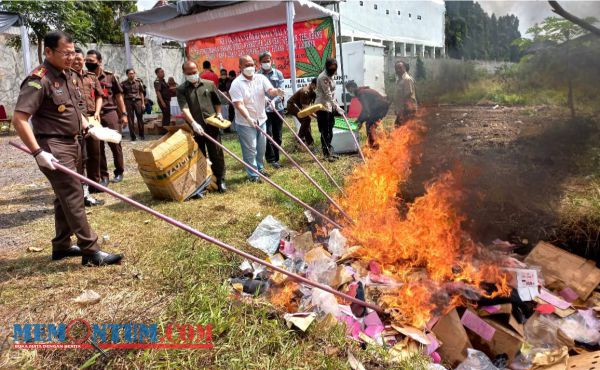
{"x": 170, "y": 276}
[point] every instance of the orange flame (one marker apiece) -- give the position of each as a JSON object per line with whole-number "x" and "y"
{"x": 423, "y": 249}
{"x": 284, "y": 297}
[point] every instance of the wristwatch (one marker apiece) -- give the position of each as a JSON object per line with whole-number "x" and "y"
{"x": 124, "y": 114}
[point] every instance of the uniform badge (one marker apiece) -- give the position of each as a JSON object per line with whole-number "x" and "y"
{"x": 34, "y": 84}
{"x": 56, "y": 84}
{"x": 74, "y": 82}
{"x": 61, "y": 108}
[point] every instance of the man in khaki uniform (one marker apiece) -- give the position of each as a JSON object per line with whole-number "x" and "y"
{"x": 113, "y": 114}
{"x": 303, "y": 98}
{"x": 133, "y": 89}
{"x": 90, "y": 104}
{"x": 163, "y": 95}
{"x": 406, "y": 96}
{"x": 50, "y": 98}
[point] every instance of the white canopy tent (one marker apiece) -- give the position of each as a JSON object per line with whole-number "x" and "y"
{"x": 223, "y": 17}
{"x": 8, "y": 20}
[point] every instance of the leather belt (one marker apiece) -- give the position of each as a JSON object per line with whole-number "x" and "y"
{"x": 58, "y": 136}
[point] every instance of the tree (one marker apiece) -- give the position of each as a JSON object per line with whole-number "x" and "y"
{"x": 86, "y": 21}
{"x": 421, "y": 74}
{"x": 558, "y": 31}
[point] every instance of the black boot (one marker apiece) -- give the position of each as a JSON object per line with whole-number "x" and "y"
{"x": 221, "y": 185}
{"x": 74, "y": 251}
{"x": 104, "y": 182}
{"x": 100, "y": 258}
{"x": 117, "y": 178}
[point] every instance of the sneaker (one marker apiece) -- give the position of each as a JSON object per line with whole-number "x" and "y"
{"x": 255, "y": 179}
{"x": 264, "y": 173}
{"x": 275, "y": 165}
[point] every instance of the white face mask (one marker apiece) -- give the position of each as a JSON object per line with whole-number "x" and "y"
{"x": 248, "y": 71}
{"x": 266, "y": 66}
{"x": 192, "y": 78}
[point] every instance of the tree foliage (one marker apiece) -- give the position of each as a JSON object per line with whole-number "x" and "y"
{"x": 87, "y": 21}
{"x": 472, "y": 34}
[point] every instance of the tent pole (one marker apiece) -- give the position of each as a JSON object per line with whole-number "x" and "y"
{"x": 290, "y": 11}
{"x": 25, "y": 48}
{"x": 127, "y": 50}
{"x": 341, "y": 57}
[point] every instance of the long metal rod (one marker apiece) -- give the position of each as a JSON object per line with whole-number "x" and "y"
{"x": 272, "y": 183}
{"x": 302, "y": 170}
{"x": 353, "y": 136}
{"x": 201, "y": 235}
{"x": 308, "y": 150}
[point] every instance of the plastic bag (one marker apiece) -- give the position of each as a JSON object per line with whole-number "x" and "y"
{"x": 325, "y": 301}
{"x": 541, "y": 331}
{"x": 267, "y": 235}
{"x": 337, "y": 243}
{"x": 575, "y": 327}
{"x": 322, "y": 271}
{"x": 476, "y": 360}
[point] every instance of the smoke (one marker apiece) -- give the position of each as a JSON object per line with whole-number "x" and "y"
{"x": 531, "y": 12}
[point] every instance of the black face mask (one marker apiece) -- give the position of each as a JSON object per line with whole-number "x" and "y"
{"x": 91, "y": 66}
{"x": 331, "y": 71}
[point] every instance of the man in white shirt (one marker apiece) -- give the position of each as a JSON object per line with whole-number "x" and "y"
{"x": 248, "y": 93}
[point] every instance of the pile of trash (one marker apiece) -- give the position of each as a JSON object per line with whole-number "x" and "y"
{"x": 551, "y": 319}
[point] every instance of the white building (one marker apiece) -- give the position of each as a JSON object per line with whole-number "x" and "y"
{"x": 404, "y": 28}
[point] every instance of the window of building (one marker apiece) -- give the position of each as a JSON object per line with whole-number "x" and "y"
{"x": 361, "y": 3}
{"x": 387, "y": 11}
{"x": 398, "y": 12}
{"x": 375, "y": 6}
{"x": 418, "y": 17}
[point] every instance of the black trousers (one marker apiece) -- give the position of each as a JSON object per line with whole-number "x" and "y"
{"x": 325, "y": 121}
{"x": 135, "y": 110}
{"x": 215, "y": 153}
{"x": 274, "y": 127}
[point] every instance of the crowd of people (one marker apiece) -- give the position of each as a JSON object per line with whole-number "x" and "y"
{"x": 63, "y": 101}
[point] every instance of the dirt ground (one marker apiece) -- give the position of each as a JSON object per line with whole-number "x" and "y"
{"x": 518, "y": 163}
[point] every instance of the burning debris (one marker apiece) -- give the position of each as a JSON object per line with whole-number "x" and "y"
{"x": 442, "y": 293}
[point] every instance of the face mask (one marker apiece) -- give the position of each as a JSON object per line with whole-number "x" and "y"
{"x": 331, "y": 71}
{"x": 248, "y": 71}
{"x": 192, "y": 78}
{"x": 266, "y": 66}
{"x": 91, "y": 66}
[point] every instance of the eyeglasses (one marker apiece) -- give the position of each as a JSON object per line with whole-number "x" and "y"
{"x": 65, "y": 54}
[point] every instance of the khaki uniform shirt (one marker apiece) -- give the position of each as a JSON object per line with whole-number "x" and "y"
{"x": 300, "y": 100}
{"x": 406, "y": 98}
{"x": 162, "y": 88}
{"x": 200, "y": 99}
{"x": 89, "y": 87}
{"x": 325, "y": 91}
{"x": 52, "y": 99}
{"x": 110, "y": 87}
{"x": 133, "y": 90}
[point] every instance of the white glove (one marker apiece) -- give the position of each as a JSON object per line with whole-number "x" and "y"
{"x": 220, "y": 116}
{"x": 197, "y": 128}
{"x": 104, "y": 134}
{"x": 280, "y": 92}
{"x": 44, "y": 159}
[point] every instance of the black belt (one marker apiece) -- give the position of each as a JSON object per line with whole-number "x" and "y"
{"x": 58, "y": 136}
{"x": 132, "y": 99}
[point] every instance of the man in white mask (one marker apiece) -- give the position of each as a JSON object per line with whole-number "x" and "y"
{"x": 198, "y": 100}
{"x": 248, "y": 93}
{"x": 274, "y": 123}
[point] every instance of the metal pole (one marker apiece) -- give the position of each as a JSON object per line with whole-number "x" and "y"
{"x": 201, "y": 235}
{"x": 354, "y": 137}
{"x": 127, "y": 49}
{"x": 339, "y": 24}
{"x": 290, "y": 12}
{"x": 25, "y": 48}
{"x": 309, "y": 151}
{"x": 312, "y": 181}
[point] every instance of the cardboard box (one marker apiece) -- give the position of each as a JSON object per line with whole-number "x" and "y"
{"x": 453, "y": 336}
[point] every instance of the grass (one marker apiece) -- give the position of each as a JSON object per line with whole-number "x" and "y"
{"x": 170, "y": 276}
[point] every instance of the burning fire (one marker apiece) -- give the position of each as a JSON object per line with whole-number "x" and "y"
{"x": 425, "y": 248}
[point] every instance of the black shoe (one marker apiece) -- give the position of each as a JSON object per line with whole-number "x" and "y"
{"x": 100, "y": 258}
{"x": 103, "y": 182}
{"x": 90, "y": 201}
{"x": 221, "y": 186}
{"x": 118, "y": 178}
{"x": 255, "y": 179}
{"x": 142, "y": 138}
{"x": 133, "y": 139}
{"x": 74, "y": 251}
{"x": 276, "y": 165}
{"x": 264, "y": 173}
{"x": 93, "y": 190}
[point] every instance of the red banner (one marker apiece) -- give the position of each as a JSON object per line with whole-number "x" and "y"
{"x": 314, "y": 41}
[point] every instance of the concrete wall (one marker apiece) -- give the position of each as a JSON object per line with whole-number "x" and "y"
{"x": 144, "y": 58}
{"x": 433, "y": 66}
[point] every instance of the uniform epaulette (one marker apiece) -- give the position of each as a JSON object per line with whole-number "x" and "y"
{"x": 90, "y": 73}
{"x": 109, "y": 72}
{"x": 40, "y": 71}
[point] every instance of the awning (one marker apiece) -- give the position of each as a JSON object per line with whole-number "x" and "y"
{"x": 221, "y": 18}
{"x": 8, "y": 20}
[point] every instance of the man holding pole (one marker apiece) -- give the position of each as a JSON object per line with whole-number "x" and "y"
{"x": 248, "y": 94}
{"x": 49, "y": 97}
{"x": 274, "y": 122}
{"x": 198, "y": 100}
{"x": 326, "y": 96}
{"x": 303, "y": 98}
